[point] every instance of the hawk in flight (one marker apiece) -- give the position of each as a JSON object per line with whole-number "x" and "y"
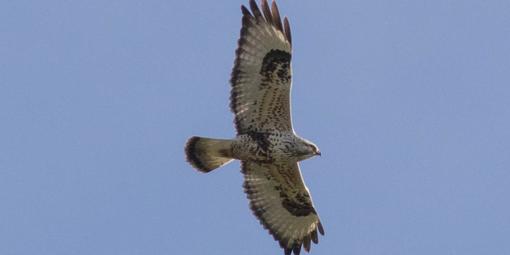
{"x": 266, "y": 144}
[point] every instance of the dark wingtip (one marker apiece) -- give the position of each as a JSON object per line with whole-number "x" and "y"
{"x": 255, "y": 10}
{"x": 306, "y": 243}
{"x": 286, "y": 30}
{"x": 277, "y": 21}
{"x": 245, "y": 11}
{"x": 270, "y": 14}
{"x": 314, "y": 237}
{"x": 321, "y": 229}
{"x": 267, "y": 12}
{"x": 297, "y": 249}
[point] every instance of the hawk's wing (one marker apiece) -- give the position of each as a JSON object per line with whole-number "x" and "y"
{"x": 282, "y": 203}
{"x": 261, "y": 77}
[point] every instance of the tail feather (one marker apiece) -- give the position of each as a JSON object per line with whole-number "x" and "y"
{"x": 207, "y": 154}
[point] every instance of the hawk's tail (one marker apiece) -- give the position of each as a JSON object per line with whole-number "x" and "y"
{"x": 207, "y": 154}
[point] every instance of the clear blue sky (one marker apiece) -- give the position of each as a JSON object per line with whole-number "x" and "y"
{"x": 409, "y": 102}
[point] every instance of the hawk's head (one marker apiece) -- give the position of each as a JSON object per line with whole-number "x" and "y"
{"x": 307, "y": 149}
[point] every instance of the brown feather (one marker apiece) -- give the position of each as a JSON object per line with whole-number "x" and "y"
{"x": 255, "y": 10}
{"x": 277, "y": 21}
{"x": 306, "y": 243}
{"x": 297, "y": 249}
{"x": 245, "y": 11}
{"x": 314, "y": 236}
{"x": 321, "y": 229}
{"x": 287, "y": 30}
{"x": 267, "y": 12}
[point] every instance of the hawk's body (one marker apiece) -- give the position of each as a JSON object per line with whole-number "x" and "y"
{"x": 269, "y": 147}
{"x": 266, "y": 144}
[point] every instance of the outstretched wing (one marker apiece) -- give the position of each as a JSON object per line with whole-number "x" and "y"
{"x": 282, "y": 203}
{"x": 261, "y": 77}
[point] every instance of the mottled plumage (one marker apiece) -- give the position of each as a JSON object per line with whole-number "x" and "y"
{"x": 266, "y": 144}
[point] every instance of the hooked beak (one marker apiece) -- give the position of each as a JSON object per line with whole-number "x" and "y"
{"x": 318, "y": 153}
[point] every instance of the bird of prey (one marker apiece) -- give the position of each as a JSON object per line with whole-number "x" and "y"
{"x": 266, "y": 144}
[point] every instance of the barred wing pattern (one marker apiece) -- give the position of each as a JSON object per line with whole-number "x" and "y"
{"x": 282, "y": 203}
{"x": 261, "y": 77}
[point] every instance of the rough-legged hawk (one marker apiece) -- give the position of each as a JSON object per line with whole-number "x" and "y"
{"x": 266, "y": 144}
